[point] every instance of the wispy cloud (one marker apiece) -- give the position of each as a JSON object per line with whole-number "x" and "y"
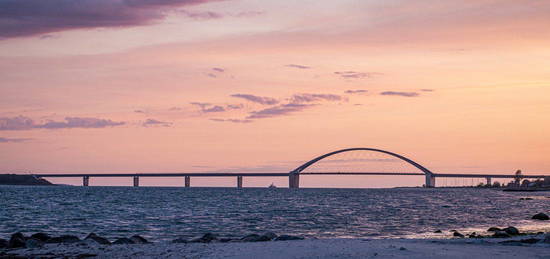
{"x": 298, "y": 66}
{"x": 153, "y": 122}
{"x": 208, "y": 15}
{"x": 218, "y": 69}
{"x": 279, "y": 110}
{"x": 306, "y": 98}
{"x": 355, "y": 75}
{"x": 13, "y": 140}
{"x": 360, "y": 91}
{"x": 232, "y": 120}
{"x": 404, "y": 94}
{"x": 257, "y": 99}
{"x": 427, "y": 90}
{"x": 32, "y": 17}
{"x": 24, "y": 123}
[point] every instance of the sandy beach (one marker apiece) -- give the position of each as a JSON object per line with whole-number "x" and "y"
{"x": 314, "y": 248}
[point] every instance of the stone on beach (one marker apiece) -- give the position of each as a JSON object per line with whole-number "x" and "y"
{"x": 501, "y": 234}
{"x": 33, "y": 243}
{"x": 63, "y": 239}
{"x": 494, "y": 229}
{"x": 288, "y": 237}
{"x": 123, "y": 241}
{"x": 97, "y": 239}
{"x": 511, "y": 230}
{"x": 41, "y": 236}
{"x": 457, "y": 234}
{"x": 438, "y": 231}
{"x": 17, "y": 240}
{"x": 540, "y": 216}
{"x": 206, "y": 238}
{"x": 139, "y": 239}
{"x": 3, "y": 243}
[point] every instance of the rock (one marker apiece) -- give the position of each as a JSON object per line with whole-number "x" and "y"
{"x": 511, "y": 231}
{"x": 3, "y": 243}
{"x": 540, "y": 216}
{"x": 123, "y": 241}
{"x": 251, "y": 238}
{"x": 438, "y": 231}
{"x": 473, "y": 235}
{"x": 457, "y": 234}
{"x": 33, "y": 243}
{"x": 402, "y": 248}
{"x": 179, "y": 240}
{"x": 17, "y": 240}
{"x": 270, "y": 235}
{"x": 494, "y": 229}
{"x": 288, "y": 237}
{"x": 41, "y": 236}
{"x": 225, "y": 240}
{"x": 63, "y": 239}
{"x": 139, "y": 239}
{"x": 501, "y": 234}
{"x": 97, "y": 239}
{"x": 207, "y": 238}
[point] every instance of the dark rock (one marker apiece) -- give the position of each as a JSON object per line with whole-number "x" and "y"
{"x": 3, "y": 243}
{"x": 438, "y": 231}
{"x": 402, "y": 248}
{"x": 123, "y": 241}
{"x": 139, "y": 239}
{"x": 494, "y": 229}
{"x": 500, "y": 234}
{"x": 288, "y": 237}
{"x": 97, "y": 239}
{"x": 63, "y": 239}
{"x": 251, "y": 238}
{"x": 207, "y": 238}
{"x": 526, "y": 199}
{"x": 457, "y": 234}
{"x": 540, "y": 216}
{"x": 225, "y": 240}
{"x": 41, "y": 236}
{"x": 33, "y": 243}
{"x": 270, "y": 235}
{"x": 511, "y": 231}
{"x": 17, "y": 240}
{"x": 473, "y": 235}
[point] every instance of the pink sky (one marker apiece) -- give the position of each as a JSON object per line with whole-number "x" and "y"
{"x": 192, "y": 86}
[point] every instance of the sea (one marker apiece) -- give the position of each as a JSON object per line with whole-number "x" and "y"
{"x": 167, "y": 213}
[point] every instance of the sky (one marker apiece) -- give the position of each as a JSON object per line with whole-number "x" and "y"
{"x": 104, "y": 86}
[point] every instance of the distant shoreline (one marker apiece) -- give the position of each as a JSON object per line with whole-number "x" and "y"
{"x": 21, "y": 179}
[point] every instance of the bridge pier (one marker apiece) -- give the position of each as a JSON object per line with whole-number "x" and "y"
{"x": 239, "y": 181}
{"x": 85, "y": 180}
{"x": 430, "y": 181}
{"x": 187, "y": 181}
{"x": 294, "y": 181}
{"x": 136, "y": 181}
{"x": 489, "y": 183}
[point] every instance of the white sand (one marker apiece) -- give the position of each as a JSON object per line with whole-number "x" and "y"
{"x": 319, "y": 248}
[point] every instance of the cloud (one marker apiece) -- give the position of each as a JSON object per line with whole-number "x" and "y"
{"x": 211, "y": 75}
{"x": 13, "y": 140}
{"x": 234, "y": 106}
{"x": 298, "y": 66}
{"x": 16, "y": 123}
{"x": 32, "y": 17}
{"x": 208, "y": 107}
{"x": 218, "y": 69}
{"x": 24, "y": 123}
{"x": 201, "y": 104}
{"x": 355, "y": 75}
{"x": 427, "y": 90}
{"x": 79, "y": 122}
{"x": 232, "y": 120}
{"x": 360, "y": 91}
{"x": 153, "y": 122}
{"x": 306, "y": 98}
{"x": 279, "y": 110}
{"x": 202, "y": 15}
{"x": 257, "y": 99}
{"x": 139, "y": 111}
{"x": 215, "y": 108}
{"x": 404, "y": 94}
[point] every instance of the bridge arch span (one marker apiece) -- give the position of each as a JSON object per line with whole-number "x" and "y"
{"x": 294, "y": 177}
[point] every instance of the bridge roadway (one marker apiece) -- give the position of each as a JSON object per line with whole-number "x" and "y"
{"x": 187, "y": 176}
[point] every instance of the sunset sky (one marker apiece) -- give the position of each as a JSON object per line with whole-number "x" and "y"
{"x": 126, "y": 86}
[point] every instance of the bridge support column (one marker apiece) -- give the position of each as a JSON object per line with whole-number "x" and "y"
{"x": 188, "y": 181}
{"x": 85, "y": 180}
{"x": 430, "y": 181}
{"x": 294, "y": 181}
{"x": 239, "y": 182}
{"x": 489, "y": 183}
{"x": 136, "y": 181}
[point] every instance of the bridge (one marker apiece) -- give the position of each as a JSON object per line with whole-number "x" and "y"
{"x": 294, "y": 175}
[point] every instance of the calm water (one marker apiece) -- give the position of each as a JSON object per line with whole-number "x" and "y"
{"x": 166, "y": 213}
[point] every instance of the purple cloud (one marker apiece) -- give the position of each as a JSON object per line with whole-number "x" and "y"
{"x": 139, "y": 111}
{"x": 257, "y": 99}
{"x": 13, "y": 140}
{"x": 232, "y": 120}
{"x": 16, "y": 123}
{"x": 218, "y": 69}
{"x": 306, "y": 98}
{"x": 427, "y": 90}
{"x": 360, "y": 91}
{"x": 32, "y": 17}
{"x": 279, "y": 110}
{"x": 202, "y": 15}
{"x": 404, "y": 94}
{"x": 79, "y": 122}
{"x": 234, "y": 106}
{"x": 297, "y": 66}
{"x": 153, "y": 122}
{"x": 355, "y": 75}
{"x": 215, "y": 108}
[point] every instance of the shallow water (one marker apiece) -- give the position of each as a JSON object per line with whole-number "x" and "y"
{"x": 167, "y": 213}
